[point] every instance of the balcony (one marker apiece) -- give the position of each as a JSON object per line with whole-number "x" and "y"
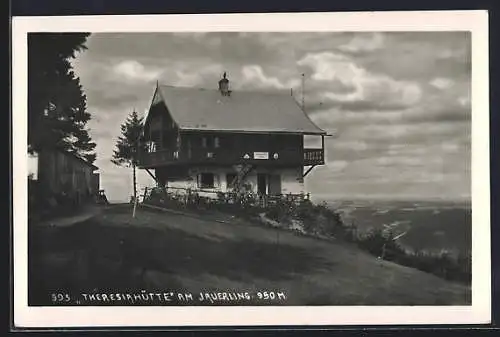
{"x": 222, "y": 156}
{"x": 158, "y": 158}
{"x": 314, "y": 157}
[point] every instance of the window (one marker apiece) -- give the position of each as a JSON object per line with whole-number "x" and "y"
{"x": 230, "y": 177}
{"x": 208, "y": 141}
{"x": 216, "y": 142}
{"x": 151, "y": 146}
{"x": 206, "y": 180}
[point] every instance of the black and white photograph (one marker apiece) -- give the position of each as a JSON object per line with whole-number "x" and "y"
{"x": 234, "y": 167}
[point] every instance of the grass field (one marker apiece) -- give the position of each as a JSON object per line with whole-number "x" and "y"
{"x": 159, "y": 251}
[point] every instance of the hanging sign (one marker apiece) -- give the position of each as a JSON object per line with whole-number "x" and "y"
{"x": 261, "y": 155}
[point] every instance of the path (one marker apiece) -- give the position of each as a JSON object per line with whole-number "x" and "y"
{"x": 85, "y": 213}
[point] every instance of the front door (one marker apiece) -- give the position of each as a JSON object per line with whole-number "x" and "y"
{"x": 261, "y": 183}
{"x": 275, "y": 184}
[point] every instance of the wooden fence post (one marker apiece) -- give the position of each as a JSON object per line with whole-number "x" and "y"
{"x": 135, "y": 206}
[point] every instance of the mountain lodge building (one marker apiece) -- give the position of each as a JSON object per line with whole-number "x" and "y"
{"x": 218, "y": 140}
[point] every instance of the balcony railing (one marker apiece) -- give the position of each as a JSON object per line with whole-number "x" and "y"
{"x": 314, "y": 157}
{"x": 157, "y": 158}
{"x": 231, "y": 157}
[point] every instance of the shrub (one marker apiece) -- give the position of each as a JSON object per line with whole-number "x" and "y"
{"x": 381, "y": 243}
{"x": 281, "y": 210}
{"x": 315, "y": 219}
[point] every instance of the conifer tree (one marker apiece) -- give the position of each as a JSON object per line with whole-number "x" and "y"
{"x": 127, "y": 148}
{"x": 57, "y": 104}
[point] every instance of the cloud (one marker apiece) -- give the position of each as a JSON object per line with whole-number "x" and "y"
{"x": 363, "y": 43}
{"x": 135, "y": 71}
{"x": 338, "y": 165}
{"x": 254, "y": 77}
{"x": 354, "y": 145}
{"x": 464, "y": 101}
{"x": 370, "y": 90}
{"x": 410, "y": 132}
{"x": 450, "y": 147}
{"x": 203, "y": 75}
{"x": 421, "y": 56}
{"x": 441, "y": 83}
{"x": 398, "y": 160}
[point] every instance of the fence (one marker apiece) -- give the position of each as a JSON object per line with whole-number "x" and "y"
{"x": 186, "y": 197}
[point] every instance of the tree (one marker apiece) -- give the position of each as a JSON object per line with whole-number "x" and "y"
{"x": 128, "y": 145}
{"x": 57, "y": 105}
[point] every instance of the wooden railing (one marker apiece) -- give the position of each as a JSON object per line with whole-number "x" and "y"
{"x": 188, "y": 196}
{"x": 314, "y": 157}
{"x": 152, "y": 159}
{"x": 231, "y": 157}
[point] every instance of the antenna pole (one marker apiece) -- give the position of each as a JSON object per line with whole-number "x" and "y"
{"x": 303, "y": 92}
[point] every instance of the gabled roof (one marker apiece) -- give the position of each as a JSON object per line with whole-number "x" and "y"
{"x": 79, "y": 158}
{"x": 242, "y": 111}
{"x": 65, "y": 153}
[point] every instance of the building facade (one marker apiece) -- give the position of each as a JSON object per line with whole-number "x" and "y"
{"x": 56, "y": 172}
{"x": 221, "y": 140}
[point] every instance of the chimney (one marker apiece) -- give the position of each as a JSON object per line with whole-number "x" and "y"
{"x": 224, "y": 86}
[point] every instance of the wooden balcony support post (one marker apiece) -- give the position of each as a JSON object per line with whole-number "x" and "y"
{"x": 152, "y": 175}
{"x": 308, "y": 170}
{"x": 162, "y": 141}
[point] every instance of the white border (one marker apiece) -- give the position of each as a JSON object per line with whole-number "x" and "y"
{"x": 478, "y": 312}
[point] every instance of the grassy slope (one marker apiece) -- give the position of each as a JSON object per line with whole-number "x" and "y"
{"x": 193, "y": 255}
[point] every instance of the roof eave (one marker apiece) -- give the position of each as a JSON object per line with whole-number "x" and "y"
{"x": 318, "y": 133}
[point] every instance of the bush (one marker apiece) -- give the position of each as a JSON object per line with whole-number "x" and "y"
{"x": 382, "y": 244}
{"x": 443, "y": 264}
{"x": 316, "y": 220}
{"x": 281, "y": 210}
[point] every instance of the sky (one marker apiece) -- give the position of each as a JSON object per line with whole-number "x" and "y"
{"x": 398, "y": 103}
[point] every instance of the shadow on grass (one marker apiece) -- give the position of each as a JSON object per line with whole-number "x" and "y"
{"x": 91, "y": 256}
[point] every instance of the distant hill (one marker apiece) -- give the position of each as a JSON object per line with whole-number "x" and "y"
{"x": 430, "y": 225}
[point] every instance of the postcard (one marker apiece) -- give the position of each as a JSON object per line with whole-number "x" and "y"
{"x": 251, "y": 170}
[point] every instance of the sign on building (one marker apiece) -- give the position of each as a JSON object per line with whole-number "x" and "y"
{"x": 261, "y": 155}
